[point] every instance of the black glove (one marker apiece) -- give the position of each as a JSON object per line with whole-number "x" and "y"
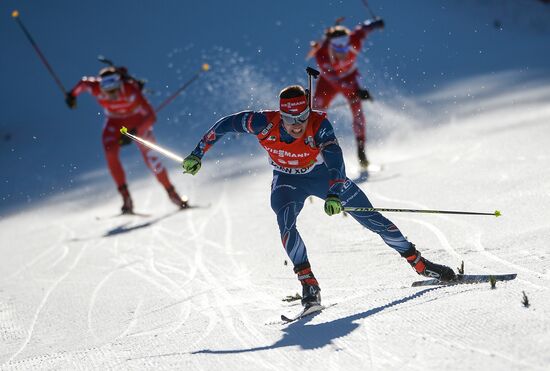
{"x": 70, "y": 100}
{"x": 125, "y": 140}
{"x": 364, "y": 94}
{"x": 374, "y": 24}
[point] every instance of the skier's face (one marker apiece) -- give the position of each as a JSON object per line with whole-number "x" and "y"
{"x": 110, "y": 85}
{"x": 295, "y": 130}
{"x": 340, "y": 46}
{"x": 112, "y": 94}
{"x": 295, "y": 114}
{"x": 340, "y": 56}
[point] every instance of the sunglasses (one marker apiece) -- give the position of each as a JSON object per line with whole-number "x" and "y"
{"x": 298, "y": 119}
{"x": 339, "y": 48}
{"x": 110, "y": 82}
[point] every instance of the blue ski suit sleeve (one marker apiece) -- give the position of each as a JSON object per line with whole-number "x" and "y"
{"x": 332, "y": 155}
{"x": 242, "y": 122}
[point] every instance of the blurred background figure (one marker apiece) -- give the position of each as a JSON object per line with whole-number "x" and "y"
{"x": 122, "y": 98}
{"x": 336, "y": 56}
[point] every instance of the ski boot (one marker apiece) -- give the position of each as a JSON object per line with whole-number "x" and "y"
{"x": 311, "y": 292}
{"x": 127, "y": 204}
{"x": 426, "y": 268}
{"x": 363, "y": 162}
{"x": 179, "y": 201}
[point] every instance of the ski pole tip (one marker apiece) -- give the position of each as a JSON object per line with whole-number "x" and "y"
{"x": 124, "y": 130}
{"x": 497, "y": 213}
{"x": 205, "y": 67}
{"x": 15, "y": 13}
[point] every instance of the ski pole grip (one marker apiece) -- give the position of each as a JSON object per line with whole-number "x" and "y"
{"x": 313, "y": 72}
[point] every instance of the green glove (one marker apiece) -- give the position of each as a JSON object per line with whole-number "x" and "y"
{"x": 333, "y": 205}
{"x": 191, "y": 164}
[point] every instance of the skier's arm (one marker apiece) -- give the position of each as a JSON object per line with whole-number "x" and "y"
{"x": 367, "y": 27}
{"x": 332, "y": 155}
{"x": 243, "y": 122}
{"x": 86, "y": 84}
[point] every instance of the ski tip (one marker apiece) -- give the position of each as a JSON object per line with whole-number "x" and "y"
{"x": 15, "y": 13}
{"x": 497, "y": 213}
{"x": 124, "y": 130}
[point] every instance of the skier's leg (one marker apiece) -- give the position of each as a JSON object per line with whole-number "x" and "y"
{"x": 111, "y": 147}
{"x": 287, "y": 200}
{"x": 353, "y": 196}
{"x": 351, "y": 92}
{"x": 324, "y": 94}
{"x": 110, "y": 139}
{"x": 152, "y": 160}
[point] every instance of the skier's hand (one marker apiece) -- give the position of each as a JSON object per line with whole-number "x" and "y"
{"x": 70, "y": 100}
{"x": 191, "y": 164}
{"x": 333, "y": 205}
{"x": 374, "y": 24}
{"x": 124, "y": 140}
{"x": 364, "y": 94}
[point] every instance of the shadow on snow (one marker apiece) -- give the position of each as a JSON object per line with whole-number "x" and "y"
{"x": 319, "y": 335}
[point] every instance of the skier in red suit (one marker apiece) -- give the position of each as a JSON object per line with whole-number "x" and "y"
{"x": 122, "y": 99}
{"x": 336, "y": 56}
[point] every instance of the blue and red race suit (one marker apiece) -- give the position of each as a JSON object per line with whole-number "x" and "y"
{"x": 319, "y": 171}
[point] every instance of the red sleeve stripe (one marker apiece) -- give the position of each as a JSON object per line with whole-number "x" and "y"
{"x": 334, "y": 181}
{"x": 249, "y": 123}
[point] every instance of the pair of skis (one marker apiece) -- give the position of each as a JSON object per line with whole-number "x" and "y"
{"x": 460, "y": 279}
{"x": 146, "y": 215}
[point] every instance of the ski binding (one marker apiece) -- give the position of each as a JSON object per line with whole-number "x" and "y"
{"x": 307, "y": 311}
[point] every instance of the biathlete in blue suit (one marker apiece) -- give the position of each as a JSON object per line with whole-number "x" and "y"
{"x": 307, "y": 160}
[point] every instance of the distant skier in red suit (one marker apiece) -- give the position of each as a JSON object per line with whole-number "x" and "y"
{"x": 336, "y": 56}
{"x": 122, "y": 99}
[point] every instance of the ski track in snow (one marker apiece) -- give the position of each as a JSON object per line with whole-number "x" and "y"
{"x": 221, "y": 295}
{"x": 44, "y": 300}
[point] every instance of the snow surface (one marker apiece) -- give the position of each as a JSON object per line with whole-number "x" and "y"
{"x": 203, "y": 289}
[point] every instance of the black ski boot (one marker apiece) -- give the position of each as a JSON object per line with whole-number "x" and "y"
{"x": 426, "y": 268}
{"x": 127, "y": 204}
{"x": 311, "y": 292}
{"x": 363, "y": 162}
{"x": 176, "y": 198}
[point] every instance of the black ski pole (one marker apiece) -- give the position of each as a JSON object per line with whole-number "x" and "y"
{"x": 311, "y": 73}
{"x": 15, "y": 15}
{"x": 205, "y": 67}
{"x": 366, "y": 3}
